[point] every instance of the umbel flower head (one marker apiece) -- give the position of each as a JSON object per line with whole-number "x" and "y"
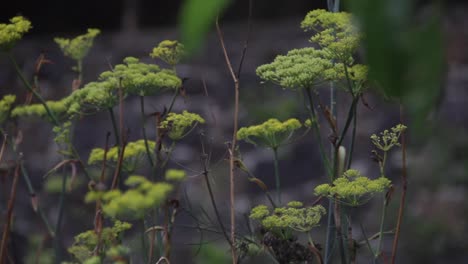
{"x": 5, "y": 106}
{"x": 142, "y": 79}
{"x": 300, "y": 68}
{"x": 77, "y": 48}
{"x": 175, "y": 175}
{"x": 334, "y": 32}
{"x": 135, "y": 202}
{"x": 352, "y": 188}
{"x": 11, "y": 33}
{"x": 271, "y": 133}
{"x": 170, "y": 51}
{"x": 294, "y": 216}
{"x": 388, "y": 138}
{"x": 134, "y": 152}
{"x": 179, "y": 125}
{"x": 85, "y": 243}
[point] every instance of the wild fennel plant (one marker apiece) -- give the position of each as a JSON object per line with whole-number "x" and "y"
{"x": 121, "y": 194}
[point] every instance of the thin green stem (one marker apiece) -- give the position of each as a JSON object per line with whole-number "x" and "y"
{"x": 353, "y": 139}
{"x": 34, "y": 92}
{"x": 277, "y": 176}
{"x": 143, "y": 126}
{"x": 381, "y": 232}
{"x": 174, "y": 97}
{"x": 114, "y": 126}
{"x": 330, "y": 232}
{"x": 58, "y": 234}
{"x": 314, "y": 121}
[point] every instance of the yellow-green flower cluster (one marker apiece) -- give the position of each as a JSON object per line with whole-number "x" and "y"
{"x": 62, "y": 133}
{"x": 300, "y": 68}
{"x": 141, "y": 78}
{"x": 85, "y": 243}
{"x": 57, "y": 107}
{"x": 11, "y": 33}
{"x": 134, "y": 152}
{"x": 93, "y": 97}
{"x": 170, "y": 51}
{"x": 388, "y": 139}
{"x": 135, "y": 202}
{"x": 352, "y": 188}
{"x": 78, "y": 47}
{"x": 175, "y": 175}
{"x": 178, "y": 125}
{"x": 5, "y": 106}
{"x": 294, "y": 216}
{"x": 335, "y": 33}
{"x": 272, "y": 133}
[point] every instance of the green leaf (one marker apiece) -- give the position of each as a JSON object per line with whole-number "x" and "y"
{"x": 195, "y": 20}
{"x": 405, "y": 56}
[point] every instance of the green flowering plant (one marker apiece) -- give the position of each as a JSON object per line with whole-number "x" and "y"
{"x": 170, "y": 51}
{"x": 335, "y": 32}
{"x": 85, "y": 243}
{"x": 300, "y": 68}
{"x": 352, "y": 188}
{"x": 272, "y": 133}
{"x": 295, "y": 216}
{"x": 133, "y": 203}
{"x": 140, "y": 78}
{"x": 388, "y": 138}
{"x": 5, "y": 107}
{"x": 12, "y": 32}
{"x": 132, "y": 157}
{"x": 38, "y": 110}
{"x": 179, "y": 125}
{"x": 78, "y": 47}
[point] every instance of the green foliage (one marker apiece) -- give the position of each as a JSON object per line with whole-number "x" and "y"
{"x": 294, "y": 216}
{"x": 134, "y": 153}
{"x": 352, "y": 188}
{"x": 85, "y": 243}
{"x": 133, "y": 203}
{"x": 211, "y": 253}
{"x": 405, "y": 57}
{"x": 11, "y": 33}
{"x": 178, "y": 125}
{"x": 5, "y": 107}
{"x": 170, "y": 51}
{"x": 78, "y": 47}
{"x": 271, "y": 133}
{"x": 175, "y": 175}
{"x": 388, "y": 139}
{"x": 195, "y": 20}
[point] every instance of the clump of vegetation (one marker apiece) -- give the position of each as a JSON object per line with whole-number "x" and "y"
{"x": 139, "y": 181}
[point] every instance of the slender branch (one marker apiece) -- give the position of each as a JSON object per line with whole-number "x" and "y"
{"x": 403, "y": 191}
{"x": 9, "y": 215}
{"x": 233, "y": 146}
{"x": 213, "y": 203}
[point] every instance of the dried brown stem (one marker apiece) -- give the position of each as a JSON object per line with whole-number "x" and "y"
{"x": 404, "y": 182}
{"x": 233, "y": 143}
{"x": 11, "y": 204}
